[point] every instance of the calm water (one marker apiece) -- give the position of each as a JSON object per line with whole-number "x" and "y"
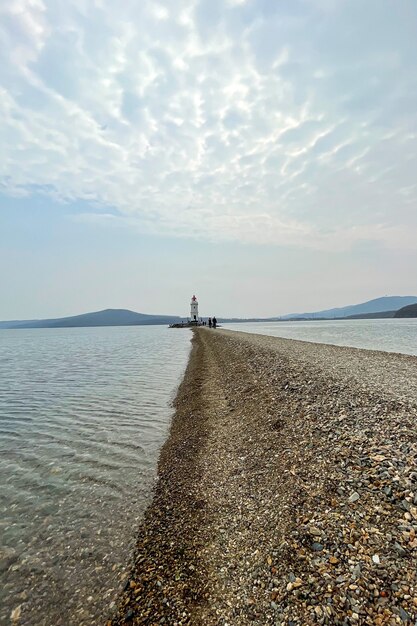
{"x": 390, "y": 335}
{"x": 83, "y": 414}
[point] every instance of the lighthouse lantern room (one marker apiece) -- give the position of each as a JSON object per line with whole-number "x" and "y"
{"x": 194, "y": 309}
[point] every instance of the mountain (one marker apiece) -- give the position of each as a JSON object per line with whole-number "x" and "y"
{"x": 407, "y": 311}
{"x": 108, "y": 317}
{"x": 388, "y": 303}
{"x": 371, "y": 316}
{"x": 390, "y": 306}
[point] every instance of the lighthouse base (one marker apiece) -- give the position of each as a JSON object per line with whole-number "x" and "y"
{"x": 192, "y": 324}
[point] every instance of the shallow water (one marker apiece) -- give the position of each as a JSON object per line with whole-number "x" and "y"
{"x": 83, "y": 414}
{"x": 389, "y": 335}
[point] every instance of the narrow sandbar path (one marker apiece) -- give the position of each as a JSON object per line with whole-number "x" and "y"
{"x": 287, "y": 490}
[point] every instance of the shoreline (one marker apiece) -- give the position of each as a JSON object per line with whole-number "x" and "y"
{"x": 164, "y": 564}
{"x": 287, "y": 490}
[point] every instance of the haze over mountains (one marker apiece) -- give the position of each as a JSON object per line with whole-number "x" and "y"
{"x": 388, "y": 304}
{"x": 380, "y": 307}
{"x": 108, "y": 317}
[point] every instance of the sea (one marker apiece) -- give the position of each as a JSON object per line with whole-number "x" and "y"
{"x": 83, "y": 415}
{"x": 388, "y": 335}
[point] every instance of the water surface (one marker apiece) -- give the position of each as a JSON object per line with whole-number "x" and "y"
{"x": 83, "y": 414}
{"x": 389, "y": 335}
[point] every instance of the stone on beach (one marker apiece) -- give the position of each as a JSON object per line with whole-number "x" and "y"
{"x": 313, "y": 521}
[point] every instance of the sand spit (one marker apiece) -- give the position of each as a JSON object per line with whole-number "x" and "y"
{"x": 287, "y": 490}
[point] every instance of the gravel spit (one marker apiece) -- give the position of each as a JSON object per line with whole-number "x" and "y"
{"x": 287, "y": 490}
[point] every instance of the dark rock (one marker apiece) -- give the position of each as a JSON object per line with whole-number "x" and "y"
{"x": 404, "y": 615}
{"x": 317, "y": 547}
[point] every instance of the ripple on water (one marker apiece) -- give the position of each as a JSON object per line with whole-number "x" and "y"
{"x": 389, "y": 335}
{"x": 83, "y": 413}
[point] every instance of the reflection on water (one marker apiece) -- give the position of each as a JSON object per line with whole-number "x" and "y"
{"x": 83, "y": 413}
{"x": 390, "y": 335}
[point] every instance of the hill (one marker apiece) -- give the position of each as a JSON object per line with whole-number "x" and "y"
{"x": 407, "y": 311}
{"x": 393, "y": 306}
{"x": 378, "y": 305}
{"x": 108, "y": 317}
{"x": 371, "y": 316}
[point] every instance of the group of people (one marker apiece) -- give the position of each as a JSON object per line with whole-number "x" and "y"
{"x": 212, "y": 322}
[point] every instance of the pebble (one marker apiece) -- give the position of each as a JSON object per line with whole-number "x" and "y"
{"x": 404, "y": 615}
{"x": 354, "y": 497}
{"x": 16, "y": 613}
{"x": 278, "y": 538}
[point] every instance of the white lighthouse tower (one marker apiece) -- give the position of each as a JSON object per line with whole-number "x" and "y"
{"x": 194, "y": 310}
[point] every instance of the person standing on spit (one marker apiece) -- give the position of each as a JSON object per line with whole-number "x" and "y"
{"x": 209, "y": 322}
{"x": 214, "y": 322}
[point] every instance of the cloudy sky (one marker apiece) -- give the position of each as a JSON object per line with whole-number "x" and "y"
{"x": 260, "y": 153}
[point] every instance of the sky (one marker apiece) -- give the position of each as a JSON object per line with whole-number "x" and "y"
{"x": 259, "y": 153}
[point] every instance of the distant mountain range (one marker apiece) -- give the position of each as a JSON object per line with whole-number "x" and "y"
{"x": 108, "y": 317}
{"x": 386, "y": 305}
{"x": 379, "y": 308}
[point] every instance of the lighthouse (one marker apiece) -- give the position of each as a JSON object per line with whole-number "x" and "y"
{"x": 194, "y": 309}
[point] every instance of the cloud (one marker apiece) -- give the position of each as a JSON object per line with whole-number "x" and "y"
{"x": 286, "y": 123}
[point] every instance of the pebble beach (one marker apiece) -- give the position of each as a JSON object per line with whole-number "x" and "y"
{"x": 287, "y": 490}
